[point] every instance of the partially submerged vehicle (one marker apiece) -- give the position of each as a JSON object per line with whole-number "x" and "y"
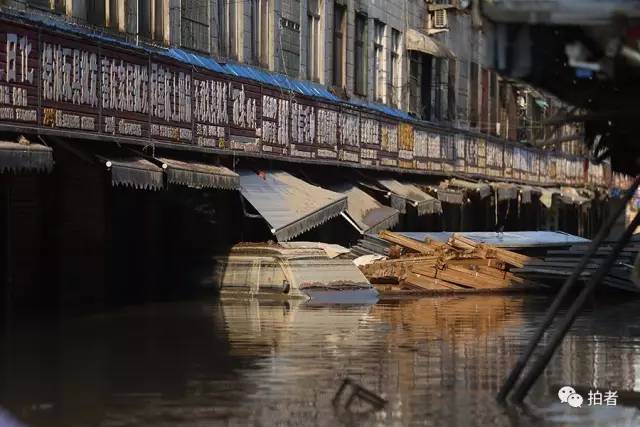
{"x": 296, "y": 270}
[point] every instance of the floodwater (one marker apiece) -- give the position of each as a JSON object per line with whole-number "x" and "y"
{"x": 437, "y": 361}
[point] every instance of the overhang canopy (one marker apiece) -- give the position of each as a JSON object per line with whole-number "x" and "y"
{"x": 402, "y": 194}
{"x": 364, "y": 212}
{"x": 451, "y": 195}
{"x": 547, "y": 196}
{"x": 23, "y": 156}
{"x": 288, "y": 204}
{"x": 483, "y": 190}
{"x": 199, "y": 175}
{"x": 570, "y": 195}
{"x": 505, "y": 191}
{"x": 528, "y": 192}
{"x": 128, "y": 170}
{"x": 417, "y": 41}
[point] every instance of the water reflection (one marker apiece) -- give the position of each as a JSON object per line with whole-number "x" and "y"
{"x": 438, "y": 361}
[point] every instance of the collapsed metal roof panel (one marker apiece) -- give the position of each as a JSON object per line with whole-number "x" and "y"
{"x": 366, "y": 213}
{"x": 402, "y": 194}
{"x": 289, "y": 205}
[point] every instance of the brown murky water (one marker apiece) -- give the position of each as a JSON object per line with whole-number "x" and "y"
{"x": 438, "y": 361}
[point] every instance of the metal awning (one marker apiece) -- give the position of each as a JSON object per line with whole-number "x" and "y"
{"x": 528, "y": 192}
{"x": 505, "y": 191}
{"x": 451, "y": 195}
{"x": 23, "y": 156}
{"x": 128, "y": 170}
{"x": 546, "y": 198}
{"x": 570, "y": 195}
{"x": 199, "y": 175}
{"x": 365, "y": 213}
{"x": 483, "y": 190}
{"x": 288, "y": 204}
{"x": 417, "y": 41}
{"x": 402, "y": 194}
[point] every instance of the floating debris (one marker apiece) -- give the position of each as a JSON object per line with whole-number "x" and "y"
{"x": 458, "y": 265}
{"x": 359, "y": 392}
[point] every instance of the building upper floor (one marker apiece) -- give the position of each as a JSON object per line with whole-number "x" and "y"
{"x": 423, "y": 57}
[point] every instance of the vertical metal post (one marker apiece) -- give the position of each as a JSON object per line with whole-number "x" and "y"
{"x": 564, "y": 291}
{"x": 557, "y": 337}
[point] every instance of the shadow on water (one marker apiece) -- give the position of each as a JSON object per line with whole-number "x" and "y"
{"x": 436, "y": 361}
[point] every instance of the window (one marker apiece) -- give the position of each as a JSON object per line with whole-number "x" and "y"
{"x": 151, "y": 19}
{"x": 44, "y": 4}
{"x": 360, "y": 55}
{"x": 195, "y": 25}
{"x": 339, "y": 44}
{"x": 228, "y": 28}
{"x": 314, "y": 44}
{"x": 451, "y": 90}
{"x": 379, "y": 66}
{"x": 415, "y": 76}
{"x": 484, "y": 100}
{"x": 424, "y": 86}
{"x": 394, "y": 70}
{"x": 260, "y": 31}
{"x": 493, "y": 103}
{"x": 438, "y": 89}
{"x": 96, "y": 12}
{"x": 473, "y": 102}
{"x": 102, "y": 13}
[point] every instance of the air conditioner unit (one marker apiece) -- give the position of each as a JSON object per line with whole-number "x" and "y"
{"x": 439, "y": 18}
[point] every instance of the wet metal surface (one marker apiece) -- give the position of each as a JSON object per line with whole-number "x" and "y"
{"x": 507, "y": 239}
{"x": 436, "y": 361}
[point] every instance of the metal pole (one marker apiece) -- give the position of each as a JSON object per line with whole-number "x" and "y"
{"x": 564, "y": 291}
{"x": 539, "y": 365}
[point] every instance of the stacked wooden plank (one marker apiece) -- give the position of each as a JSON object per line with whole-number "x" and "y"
{"x": 459, "y": 265}
{"x": 556, "y": 266}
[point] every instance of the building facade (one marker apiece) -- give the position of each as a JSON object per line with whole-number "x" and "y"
{"x": 119, "y": 97}
{"x": 424, "y": 57}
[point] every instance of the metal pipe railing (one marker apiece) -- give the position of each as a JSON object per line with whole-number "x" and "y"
{"x": 558, "y": 335}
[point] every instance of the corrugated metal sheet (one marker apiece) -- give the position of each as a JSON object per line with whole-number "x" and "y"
{"x": 200, "y": 175}
{"x": 510, "y": 239}
{"x": 289, "y": 205}
{"x": 368, "y": 215}
{"x": 134, "y": 172}
{"x": 191, "y": 58}
{"x": 25, "y": 157}
{"x": 402, "y": 193}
